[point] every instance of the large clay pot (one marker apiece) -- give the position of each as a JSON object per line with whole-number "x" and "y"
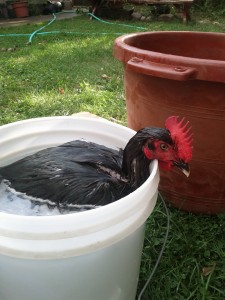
{"x": 181, "y": 73}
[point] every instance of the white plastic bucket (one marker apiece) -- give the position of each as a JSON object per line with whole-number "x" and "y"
{"x": 91, "y": 255}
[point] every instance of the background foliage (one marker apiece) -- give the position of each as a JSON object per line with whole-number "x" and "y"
{"x": 211, "y": 6}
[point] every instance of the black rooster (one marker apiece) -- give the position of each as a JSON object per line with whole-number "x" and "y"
{"x": 84, "y": 174}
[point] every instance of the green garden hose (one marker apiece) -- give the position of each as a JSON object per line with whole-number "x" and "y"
{"x": 37, "y": 32}
{"x": 120, "y": 24}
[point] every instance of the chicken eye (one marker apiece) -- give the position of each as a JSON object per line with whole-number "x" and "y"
{"x": 163, "y": 147}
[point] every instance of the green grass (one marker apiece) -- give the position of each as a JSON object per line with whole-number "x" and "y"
{"x": 64, "y": 74}
{"x": 195, "y": 242}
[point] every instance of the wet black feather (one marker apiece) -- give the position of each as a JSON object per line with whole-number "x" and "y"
{"x": 83, "y": 173}
{"x": 69, "y": 173}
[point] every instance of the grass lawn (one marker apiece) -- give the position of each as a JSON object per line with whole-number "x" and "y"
{"x": 60, "y": 74}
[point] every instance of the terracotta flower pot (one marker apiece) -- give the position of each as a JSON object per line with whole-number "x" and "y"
{"x": 21, "y": 9}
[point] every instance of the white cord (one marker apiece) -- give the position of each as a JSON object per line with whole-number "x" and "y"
{"x": 161, "y": 251}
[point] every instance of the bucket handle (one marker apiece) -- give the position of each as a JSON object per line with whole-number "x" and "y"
{"x": 145, "y": 67}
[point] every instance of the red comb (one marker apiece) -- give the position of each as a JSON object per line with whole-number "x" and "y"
{"x": 180, "y": 133}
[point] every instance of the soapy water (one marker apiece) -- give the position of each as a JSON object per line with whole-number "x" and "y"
{"x": 17, "y": 203}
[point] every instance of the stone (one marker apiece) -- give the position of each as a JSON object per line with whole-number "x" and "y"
{"x": 149, "y": 18}
{"x": 68, "y": 4}
{"x": 84, "y": 10}
{"x": 136, "y": 15}
{"x": 165, "y": 17}
{"x": 143, "y": 18}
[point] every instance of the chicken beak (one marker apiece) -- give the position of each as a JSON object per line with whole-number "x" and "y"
{"x": 184, "y": 167}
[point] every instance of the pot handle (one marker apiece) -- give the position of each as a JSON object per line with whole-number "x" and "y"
{"x": 145, "y": 67}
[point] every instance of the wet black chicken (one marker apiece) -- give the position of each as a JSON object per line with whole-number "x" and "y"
{"x": 84, "y": 174}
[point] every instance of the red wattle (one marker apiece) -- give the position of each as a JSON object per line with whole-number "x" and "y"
{"x": 165, "y": 165}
